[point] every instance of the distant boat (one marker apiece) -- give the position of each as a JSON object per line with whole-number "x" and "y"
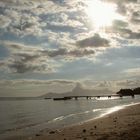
{"x": 58, "y": 98}
{"x": 63, "y": 98}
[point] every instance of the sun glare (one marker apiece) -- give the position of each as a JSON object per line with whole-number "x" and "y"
{"x": 102, "y": 14}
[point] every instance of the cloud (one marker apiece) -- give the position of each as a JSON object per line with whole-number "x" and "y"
{"x": 119, "y": 24}
{"x": 33, "y": 87}
{"x": 132, "y": 72}
{"x": 28, "y": 26}
{"x": 94, "y": 41}
{"x": 17, "y": 18}
{"x": 2, "y": 63}
{"x": 134, "y": 35}
{"x": 114, "y": 85}
{"x": 55, "y": 53}
{"x": 135, "y": 17}
{"x": 51, "y": 33}
{"x": 21, "y": 67}
{"x": 128, "y": 26}
{"x": 18, "y": 5}
{"x": 23, "y": 59}
{"x": 4, "y": 21}
{"x": 36, "y": 82}
{"x": 128, "y": 83}
{"x": 81, "y": 53}
{"x": 37, "y": 17}
{"x": 126, "y": 32}
{"x": 73, "y": 53}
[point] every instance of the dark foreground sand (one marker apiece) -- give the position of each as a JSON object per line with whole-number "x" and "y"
{"x": 121, "y": 125}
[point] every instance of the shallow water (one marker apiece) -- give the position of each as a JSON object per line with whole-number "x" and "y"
{"x": 27, "y": 117}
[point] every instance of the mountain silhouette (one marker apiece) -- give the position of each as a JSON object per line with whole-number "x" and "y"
{"x": 79, "y": 90}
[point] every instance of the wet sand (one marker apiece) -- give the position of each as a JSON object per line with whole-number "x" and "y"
{"x": 121, "y": 125}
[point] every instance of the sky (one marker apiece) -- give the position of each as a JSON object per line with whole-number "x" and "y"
{"x": 51, "y": 45}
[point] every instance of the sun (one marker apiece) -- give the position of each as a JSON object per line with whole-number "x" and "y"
{"x": 102, "y": 14}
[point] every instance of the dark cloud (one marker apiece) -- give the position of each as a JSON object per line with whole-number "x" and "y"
{"x": 123, "y": 29}
{"x": 136, "y": 14}
{"x": 119, "y": 24}
{"x": 20, "y": 67}
{"x": 2, "y": 64}
{"x": 134, "y": 35}
{"x": 133, "y": 1}
{"x": 25, "y": 57}
{"x": 60, "y": 82}
{"x": 122, "y": 8}
{"x": 64, "y": 52}
{"x": 55, "y": 53}
{"x": 25, "y": 62}
{"x": 23, "y": 26}
{"x": 135, "y": 18}
{"x": 129, "y": 34}
{"x": 81, "y": 53}
{"x": 94, "y": 41}
{"x": 135, "y": 21}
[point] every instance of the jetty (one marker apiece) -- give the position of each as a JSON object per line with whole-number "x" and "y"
{"x": 87, "y": 97}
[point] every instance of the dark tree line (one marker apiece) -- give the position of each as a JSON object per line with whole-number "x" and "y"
{"x": 129, "y": 92}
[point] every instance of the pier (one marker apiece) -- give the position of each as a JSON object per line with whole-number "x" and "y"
{"x": 90, "y": 97}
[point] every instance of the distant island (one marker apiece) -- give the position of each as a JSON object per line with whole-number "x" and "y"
{"x": 129, "y": 92}
{"x": 78, "y": 90}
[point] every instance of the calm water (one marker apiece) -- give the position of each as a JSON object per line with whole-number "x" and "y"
{"x": 27, "y": 117}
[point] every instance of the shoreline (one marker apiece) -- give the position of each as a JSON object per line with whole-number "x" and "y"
{"x": 118, "y": 125}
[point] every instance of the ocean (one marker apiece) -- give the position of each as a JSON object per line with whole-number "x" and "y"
{"x": 28, "y": 117}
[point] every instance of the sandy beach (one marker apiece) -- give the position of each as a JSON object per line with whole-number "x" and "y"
{"x": 120, "y": 125}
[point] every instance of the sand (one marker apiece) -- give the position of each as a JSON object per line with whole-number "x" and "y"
{"x": 120, "y": 125}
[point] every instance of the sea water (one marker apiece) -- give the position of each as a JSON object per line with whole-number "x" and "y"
{"x": 28, "y": 117}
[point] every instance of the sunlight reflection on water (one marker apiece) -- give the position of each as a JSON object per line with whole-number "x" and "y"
{"x": 111, "y": 110}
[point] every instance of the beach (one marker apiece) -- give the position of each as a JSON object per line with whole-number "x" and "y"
{"x": 120, "y": 125}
